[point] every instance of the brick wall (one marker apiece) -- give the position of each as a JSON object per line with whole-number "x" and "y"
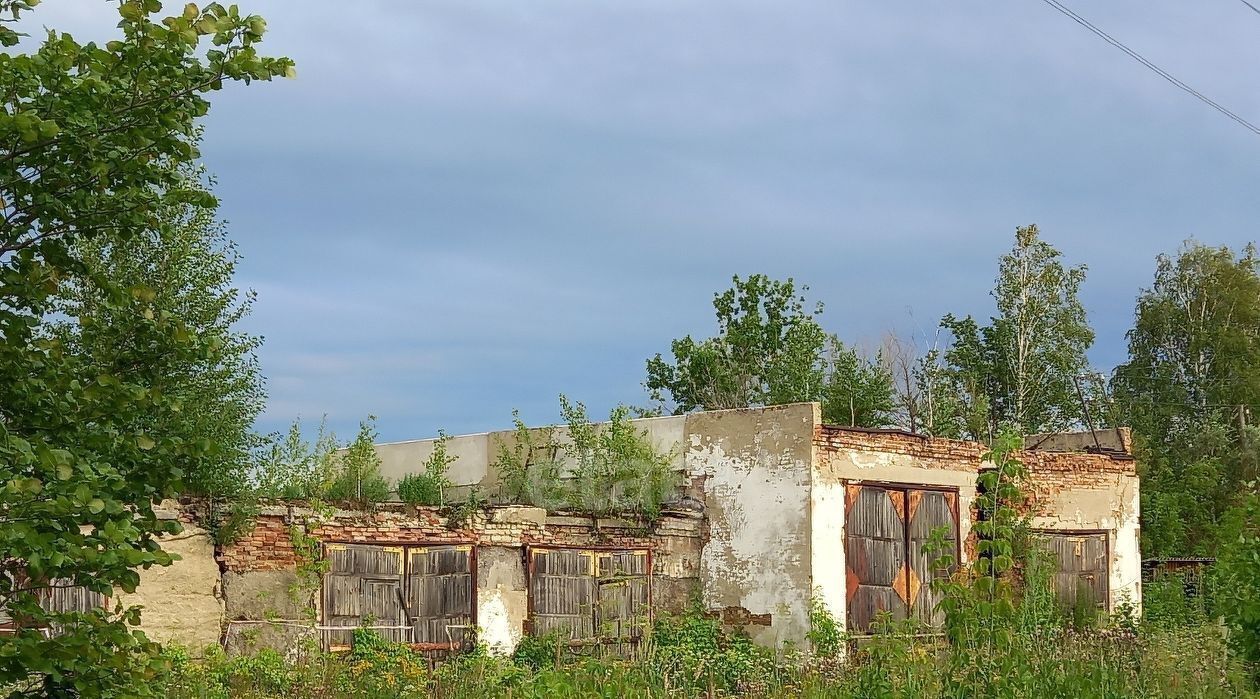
{"x": 957, "y": 455}
{"x": 269, "y": 545}
{"x": 930, "y": 452}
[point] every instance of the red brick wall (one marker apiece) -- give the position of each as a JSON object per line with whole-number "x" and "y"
{"x": 956, "y": 455}
{"x": 269, "y": 545}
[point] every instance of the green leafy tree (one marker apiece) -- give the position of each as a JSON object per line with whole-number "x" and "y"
{"x": 768, "y": 350}
{"x": 358, "y": 477}
{"x": 428, "y": 487}
{"x": 1023, "y": 366}
{"x": 92, "y": 139}
{"x": 857, "y": 391}
{"x": 188, "y": 264}
{"x": 297, "y": 469}
{"x": 1238, "y": 575}
{"x": 1188, "y": 390}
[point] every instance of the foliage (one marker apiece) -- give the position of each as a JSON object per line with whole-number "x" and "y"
{"x": 529, "y": 467}
{"x": 768, "y": 350}
{"x": 771, "y": 350}
{"x": 600, "y": 469}
{"x": 95, "y": 142}
{"x": 236, "y": 522}
{"x": 428, "y": 487}
{"x": 294, "y": 468}
{"x": 1238, "y": 582}
{"x": 825, "y": 633}
{"x": 693, "y": 652}
{"x": 857, "y": 391}
{"x": 615, "y": 466}
{"x": 460, "y": 514}
{"x": 358, "y": 478}
{"x": 1021, "y": 369}
{"x": 692, "y": 657}
{"x": 188, "y": 264}
{"x": 979, "y": 606}
{"x": 1192, "y": 375}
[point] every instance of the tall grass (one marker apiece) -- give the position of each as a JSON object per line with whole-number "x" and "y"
{"x": 692, "y": 656}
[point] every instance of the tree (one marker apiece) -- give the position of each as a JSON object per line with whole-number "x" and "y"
{"x": 358, "y": 478}
{"x": 858, "y": 392}
{"x": 1025, "y": 363}
{"x": 189, "y": 264}
{"x": 91, "y": 143}
{"x": 1188, "y": 390}
{"x": 768, "y": 350}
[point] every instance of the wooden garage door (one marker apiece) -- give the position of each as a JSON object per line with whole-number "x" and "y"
{"x": 875, "y": 554}
{"x": 888, "y": 564}
{"x": 562, "y": 593}
{"x": 622, "y": 608}
{"x": 587, "y": 595}
{"x": 1080, "y": 579}
{"x": 440, "y": 594}
{"x": 928, "y": 511}
{"x": 364, "y": 587}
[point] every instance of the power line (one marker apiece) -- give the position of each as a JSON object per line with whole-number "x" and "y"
{"x": 1253, "y": 7}
{"x": 1159, "y": 71}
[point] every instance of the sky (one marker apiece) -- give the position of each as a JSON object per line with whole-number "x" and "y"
{"x": 461, "y": 208}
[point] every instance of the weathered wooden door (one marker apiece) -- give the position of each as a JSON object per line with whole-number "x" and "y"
{"x": 440, "y": 594}
{"x": 622, "y": 609}
{"x": 889, "y": 564}
{"x": 562, "y": 592}
{"x": 588, "y": 595}
{"x": 875, "y": 554}
{"x": 929, "y": 511}
{"x": 1081, "y": 577}
{"x": 364, "y": 587}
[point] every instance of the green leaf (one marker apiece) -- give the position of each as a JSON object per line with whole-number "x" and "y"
{"x": 96, "y": 506}
{"x": 145, "y": 442}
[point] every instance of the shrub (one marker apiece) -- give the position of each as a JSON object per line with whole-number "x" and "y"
{"x": 429, "y": 485}
{"x": 359, "y": 480}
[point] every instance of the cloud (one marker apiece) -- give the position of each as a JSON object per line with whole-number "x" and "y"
{"x": 463, "y": 207}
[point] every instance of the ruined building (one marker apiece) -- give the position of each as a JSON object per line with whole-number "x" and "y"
{"x": 780, "y": 508}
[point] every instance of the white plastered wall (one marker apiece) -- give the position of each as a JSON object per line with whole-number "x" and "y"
{"x": 833, "y": 470}
{"x": 757, "y": 559}
{"x": 1113, "y": 508}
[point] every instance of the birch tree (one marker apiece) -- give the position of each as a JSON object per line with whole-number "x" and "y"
{"x": 1026, "y": 361}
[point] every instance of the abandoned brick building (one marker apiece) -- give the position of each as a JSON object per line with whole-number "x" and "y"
{"x": 782, "y": 509}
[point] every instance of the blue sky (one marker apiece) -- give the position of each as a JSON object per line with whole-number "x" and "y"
{"x": 460, "y": 208}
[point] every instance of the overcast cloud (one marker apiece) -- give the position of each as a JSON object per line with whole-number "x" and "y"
{"x": 460, "y": 208}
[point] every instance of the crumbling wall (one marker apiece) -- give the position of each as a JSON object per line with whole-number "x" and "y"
{"x": 755, "y": 466}
{"x": 260, "y": 570}
{"x": 848, "y": 456}
{"x": 1091, "y": 492}
{"x": 182, "y": 603}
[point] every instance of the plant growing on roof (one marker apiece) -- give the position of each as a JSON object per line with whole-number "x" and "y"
{"x": 428, "y": 487}
{"x": 528, "y": 466}
{"x": 359, "y": 480}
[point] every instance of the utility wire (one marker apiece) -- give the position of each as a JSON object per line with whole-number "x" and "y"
{"x": 1159, "y": 71}
{"x": 1253, "y": 7}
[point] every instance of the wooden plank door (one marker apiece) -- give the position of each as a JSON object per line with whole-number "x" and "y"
{"x": 364, "y": 587}
{"x": 927, "y": 512}
{"x": 1081, "y": 576}
{"x": 875, "y": 554}
{"x": 562, "y": 593}
{"x": 440, "y": 594}
{"x": 622, "y": 610}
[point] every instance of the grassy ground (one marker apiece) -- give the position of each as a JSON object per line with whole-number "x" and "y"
{"x": 692, "y": 657}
